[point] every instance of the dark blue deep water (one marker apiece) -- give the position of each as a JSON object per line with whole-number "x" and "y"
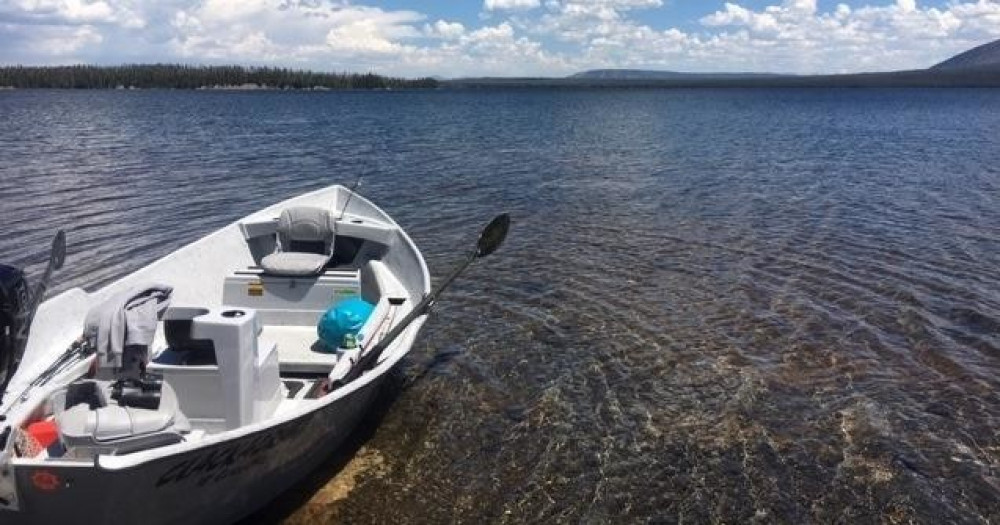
{"x": 714, "y": 306}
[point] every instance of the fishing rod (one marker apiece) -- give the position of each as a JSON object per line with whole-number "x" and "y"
{"x": 353, "y": 189}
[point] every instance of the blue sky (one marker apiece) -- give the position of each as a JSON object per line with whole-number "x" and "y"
{"x": 500, "y": 37}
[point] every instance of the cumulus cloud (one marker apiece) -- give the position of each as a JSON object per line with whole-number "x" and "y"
{"x": 445, "y": 30}
{"x": 305, "y": 34}
{"x": 511, "y": 37}
{"x": 493, "y": 5}
{"x": 795, "y": 36}
{"x": 70, "y": 12}
{"x": 62, "y": 40}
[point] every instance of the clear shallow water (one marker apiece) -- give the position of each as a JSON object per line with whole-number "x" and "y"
{"x": 733, "y": 305}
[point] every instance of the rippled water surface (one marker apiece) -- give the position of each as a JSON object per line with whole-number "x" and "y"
{"x": 729, "y": 306}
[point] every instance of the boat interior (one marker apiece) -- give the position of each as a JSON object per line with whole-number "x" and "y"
{"x": 249, "y": 354}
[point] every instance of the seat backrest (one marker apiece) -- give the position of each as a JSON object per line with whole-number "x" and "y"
{"x": 306, "y": 229}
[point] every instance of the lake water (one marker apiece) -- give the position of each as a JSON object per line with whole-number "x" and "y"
{"x": 728, "y": 306}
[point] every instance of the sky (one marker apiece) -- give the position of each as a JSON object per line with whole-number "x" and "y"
{"x": 459, "y": 38}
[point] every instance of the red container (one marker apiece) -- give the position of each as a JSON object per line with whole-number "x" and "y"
{"x": 44, "y": 432}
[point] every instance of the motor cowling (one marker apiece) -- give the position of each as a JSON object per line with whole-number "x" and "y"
{"x": 14, "y": 297}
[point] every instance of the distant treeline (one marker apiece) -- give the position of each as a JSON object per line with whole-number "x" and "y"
{"x": 193, "y": 77}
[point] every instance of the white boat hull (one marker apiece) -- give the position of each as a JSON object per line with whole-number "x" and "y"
{"x": 224, "y": 474}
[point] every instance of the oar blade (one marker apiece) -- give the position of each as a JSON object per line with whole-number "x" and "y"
{"x": 493, "y": 235}
{"x": 58, "y": 256}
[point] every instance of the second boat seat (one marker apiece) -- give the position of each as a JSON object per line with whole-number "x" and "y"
{"x": 90, "y": 423}
{"x": 305, "y": 242}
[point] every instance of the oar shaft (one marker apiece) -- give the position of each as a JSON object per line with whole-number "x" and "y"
{"x": 27, "y": 314}
{"x": 370, "y": 358}
{"x": 489, "y": 240}
{"x": 36, "y": 299}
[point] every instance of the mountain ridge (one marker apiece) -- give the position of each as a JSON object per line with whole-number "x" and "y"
{"x": 981, "y": 59}
{"x": 986, "y": 56}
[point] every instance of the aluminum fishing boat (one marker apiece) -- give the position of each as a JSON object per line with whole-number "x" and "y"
{"x": 198, "y": 388}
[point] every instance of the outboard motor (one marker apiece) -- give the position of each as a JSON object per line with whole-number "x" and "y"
{"x": 14, "y": 297}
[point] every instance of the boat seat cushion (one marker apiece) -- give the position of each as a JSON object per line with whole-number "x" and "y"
{"x": 294, "y": 263}
{"x": 97, "y": 427}
{"x": 111, "y": 423}
{"x": 305, "y": 242}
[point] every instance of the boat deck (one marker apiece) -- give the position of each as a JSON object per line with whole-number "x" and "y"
{"x": 298, "y": 349}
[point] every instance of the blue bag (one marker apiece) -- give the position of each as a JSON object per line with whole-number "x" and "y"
{"x": 345, "y": 317}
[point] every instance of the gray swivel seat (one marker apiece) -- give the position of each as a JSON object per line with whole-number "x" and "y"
{"x": 91, "y": 423}
{"x": 305, "y": 242}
